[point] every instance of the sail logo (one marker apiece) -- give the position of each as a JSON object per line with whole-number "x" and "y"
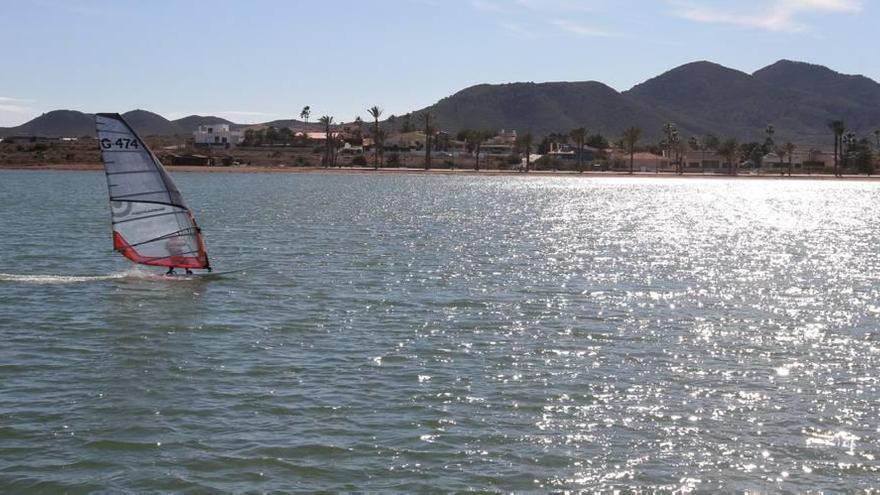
{"x": 120, "y": 209}
{"x": 120, "y": 143}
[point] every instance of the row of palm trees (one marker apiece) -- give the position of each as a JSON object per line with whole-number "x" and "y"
{"x": 729, "y": 149}
{"x": 844, "y": 142}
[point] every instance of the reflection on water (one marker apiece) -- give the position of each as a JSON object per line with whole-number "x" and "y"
{"x": 448, "y": 333}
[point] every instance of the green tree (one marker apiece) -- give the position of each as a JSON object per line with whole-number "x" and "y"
{"x": 524, "y": 144}
{"x": 359, "y": 127}
{"x": 752, "y": 152}
{"x": 429, "y": 131}
{"x": 375, "y": 112}
{"x": 285, "y": 135}
{"x": 838, "y": 128}
{"x": 475, "y": 141}
{"x": 848, "y": 145}
{"x": 863, "y": 156}
{"x": 271, "y": 135}
{"x": 579, "y": 136}
{"x": 711, "y": 142}
{"x": 306, "y": 112}
{"x": 670, "y": 130}
{"x": 729, "y": 149}
{"x": 631, "y": 138}
{"x": 407, "y": 124}
{"x": 545, "y": 146}
{"x": 788, "y": 148}
{"x": 379, "y": 144}
{"x": 327, "y": 122}
{"x": 598, "y": 141}
{"x": 770, "y": 131}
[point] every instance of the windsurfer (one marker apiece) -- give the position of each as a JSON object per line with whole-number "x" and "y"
{"x": 176, "y": 246}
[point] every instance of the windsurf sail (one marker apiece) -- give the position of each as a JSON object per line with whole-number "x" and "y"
{"x": 151, "y": 223}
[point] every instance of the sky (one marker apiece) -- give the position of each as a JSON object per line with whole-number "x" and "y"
{"x": 260, "y": 60}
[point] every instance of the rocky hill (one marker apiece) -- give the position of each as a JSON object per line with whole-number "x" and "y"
{"x": 799, "y": 99}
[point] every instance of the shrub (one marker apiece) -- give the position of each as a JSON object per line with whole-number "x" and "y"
{"x": 548, "y": 163}
{"x": 394, "y": 160}
{"x": 359, "y": 160}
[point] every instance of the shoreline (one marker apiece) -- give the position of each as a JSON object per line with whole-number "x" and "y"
{"x": 95, "y": 167}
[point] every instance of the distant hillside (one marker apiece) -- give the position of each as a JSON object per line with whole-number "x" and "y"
{"x": 855, "y": 99}
{"x": 799, "y": 99}
{"x": 289, "y": 123}
{"x": 543, "y": 108}
{"x": 192, "y": 122}
{"x": 151, "y": 124}
{"x": 71, "y": 123}
{"x": 56, "y": 123}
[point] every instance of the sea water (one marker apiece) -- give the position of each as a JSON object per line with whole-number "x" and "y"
{"x": 419, "y": 333}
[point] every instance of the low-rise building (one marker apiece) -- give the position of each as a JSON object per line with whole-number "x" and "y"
{"x": 406, "y": 141}
{"x": 701, "y": 161}
{"x": 504, "y": 137}
{"x": 642, "y": 161}
{"x": 217, "y": 135}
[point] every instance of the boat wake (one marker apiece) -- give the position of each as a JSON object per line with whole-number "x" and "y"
{"x": 133, "y": 273}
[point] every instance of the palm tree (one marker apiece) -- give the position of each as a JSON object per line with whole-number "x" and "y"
{"x": 850, "y": 140}
{"x": 838, "y": 128}
{"x": 524, "y": 143}
{"x": 306, "y": 111}
{"x": 729, "y": 149}
{"x": 697, "y": 145}
{"x": 475, "y": 140}
{"x": 670, "y": 130}
{"x": 327, "y": 121}
{"x": 428, "y": 133}
{"x": 379, "y": 144}
{"x": 579, "y": 136}
{"x": 375, "y": 112}
{"x": 359, "y": 125}
{"x": 709, "y": 142}
{"x": 788, "y": 148}
{"x": 631, "y": 138}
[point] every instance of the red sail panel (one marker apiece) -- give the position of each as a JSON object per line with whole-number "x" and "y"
{"x": 200, "y": 260}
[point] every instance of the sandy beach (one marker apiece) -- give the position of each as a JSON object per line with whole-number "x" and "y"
{"x": 437, "y": 171}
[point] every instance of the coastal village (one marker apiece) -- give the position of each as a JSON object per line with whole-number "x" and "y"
{"x": 397, "y": 143}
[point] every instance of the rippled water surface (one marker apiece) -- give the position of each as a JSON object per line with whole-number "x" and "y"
{"x": 416, "y": 333}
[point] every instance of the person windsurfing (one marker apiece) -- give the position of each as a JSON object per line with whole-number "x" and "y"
{"x": 177, "y": 247}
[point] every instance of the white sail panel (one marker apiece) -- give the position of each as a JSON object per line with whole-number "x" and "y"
{"x": 151, "y": 223}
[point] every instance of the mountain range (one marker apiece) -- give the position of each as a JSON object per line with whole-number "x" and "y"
{"x": 797, "y": 98}
{"x": 71, "y": 123}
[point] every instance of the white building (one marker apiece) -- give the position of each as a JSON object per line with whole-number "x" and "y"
{"x": 217, "y": 135}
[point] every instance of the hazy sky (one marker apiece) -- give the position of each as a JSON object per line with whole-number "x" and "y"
{"x": 258, "y": 60}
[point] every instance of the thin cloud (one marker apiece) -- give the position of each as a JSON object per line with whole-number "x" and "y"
{"x": 9, "y": 99}
{"x": 486, "y": 6}
{"x": 245, "y": 113}
{"x": 9, "y": 104}
{"x": 580, "y": 29}
{"x": 778, "y": 16}
{"x": 563, "y": 5}
{"x": 518, "y": 30}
